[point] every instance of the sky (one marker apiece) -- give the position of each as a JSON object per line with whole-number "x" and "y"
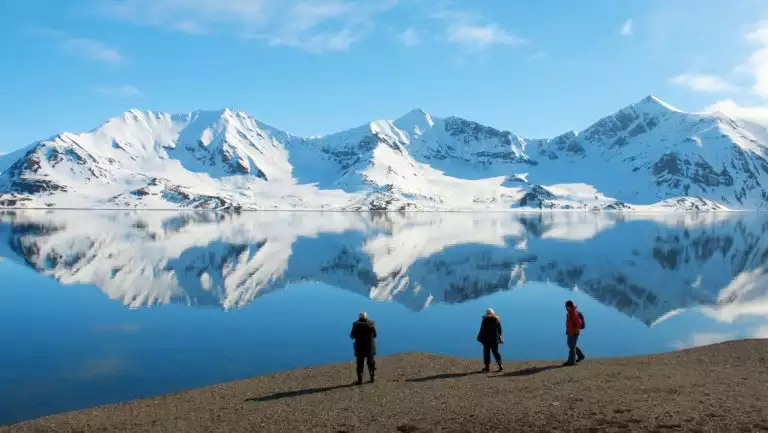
{"x": 314, "y": 67}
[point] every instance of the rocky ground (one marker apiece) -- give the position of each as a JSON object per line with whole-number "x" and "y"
{"x": 720, "y": 388}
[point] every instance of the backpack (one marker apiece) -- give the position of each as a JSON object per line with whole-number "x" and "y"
{"x": 583, "y": 322}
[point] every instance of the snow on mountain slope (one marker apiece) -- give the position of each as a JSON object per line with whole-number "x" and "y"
{"x": 644, "y": 266}
{"x": 646, "y": 156}
{"x": 650, "y": 152}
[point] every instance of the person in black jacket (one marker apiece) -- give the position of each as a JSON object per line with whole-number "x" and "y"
{"x": 490, "y": 337}
{"x": 364, "y": 334}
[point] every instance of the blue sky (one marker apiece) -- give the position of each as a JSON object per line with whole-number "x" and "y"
{"x": 319, "y": 66}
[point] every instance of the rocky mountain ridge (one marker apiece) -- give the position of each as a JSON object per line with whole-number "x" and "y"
{"x": 647, "y": 156}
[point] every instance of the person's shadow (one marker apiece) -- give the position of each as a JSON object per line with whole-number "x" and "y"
{"x": 530, "y": 371}
{"x": 299, "y": 393}
{"x": 443, "y": 376}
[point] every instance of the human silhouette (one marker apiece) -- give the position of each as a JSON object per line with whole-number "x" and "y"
{"x": 574, "y": 323}
{"x": 490, "y": 337}
{"x": 364, "y": 334}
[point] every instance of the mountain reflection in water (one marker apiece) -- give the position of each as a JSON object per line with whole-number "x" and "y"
{"x": 644, "y": 265}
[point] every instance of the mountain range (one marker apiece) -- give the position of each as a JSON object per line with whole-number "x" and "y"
{"x": 646, "y": 156}
{"x": 648, "y": 266}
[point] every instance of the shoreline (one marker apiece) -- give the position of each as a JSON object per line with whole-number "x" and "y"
{"x": 715, "y": 388}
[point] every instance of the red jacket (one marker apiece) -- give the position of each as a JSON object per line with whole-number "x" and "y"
{"x": 572, "y": 322}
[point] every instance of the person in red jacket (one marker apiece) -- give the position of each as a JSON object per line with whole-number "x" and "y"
{"x": 573, "y": 325}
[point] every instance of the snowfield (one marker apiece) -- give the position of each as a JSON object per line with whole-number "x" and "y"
{"x": 648, "y": 156}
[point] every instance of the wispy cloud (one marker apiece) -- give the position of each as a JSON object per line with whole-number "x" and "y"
{"x": 188, "y": 14}
{"x": 94, "y": 368}
{"x": 703, "y": 83}
{"x": 628, "y": 28}
{"x": 757, "y": 63}
{"x": 410, "y": 37}
{"x": 120, "y": 91}
{"x": 311, "y": 25}
{"x": 190, "y": 27}
{"x": 703, "y": 339}
{"x": 87, "y": 48}
{"x": 482, "y": 36}
{"x": 756, "y": 67}
{"x": 469, "y": 30}
{"x": 325, "y": 25}
{"x": 755, "y": 113}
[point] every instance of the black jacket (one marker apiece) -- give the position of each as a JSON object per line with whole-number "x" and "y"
{"x": 364, "y": 334}
{"x": 490, "y": 331}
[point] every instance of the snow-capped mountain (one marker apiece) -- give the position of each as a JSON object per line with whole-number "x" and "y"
{"x": 646, "y": 265}
{"x": 648, "y": 155}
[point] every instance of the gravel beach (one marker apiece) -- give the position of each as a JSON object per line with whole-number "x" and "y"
{"x": 719, "y": 388}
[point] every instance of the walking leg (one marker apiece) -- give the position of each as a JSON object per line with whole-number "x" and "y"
{"x": 579, "y": 354}
{"x": 486, "y": 356}
{"x": 360, "y": 362}
{"x": 571, "y": 350}
{"x": 372, "y": 367}
{"x": 497, "y": 357}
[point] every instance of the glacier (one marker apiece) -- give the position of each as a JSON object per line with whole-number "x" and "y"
{"x": 648, "y": 156}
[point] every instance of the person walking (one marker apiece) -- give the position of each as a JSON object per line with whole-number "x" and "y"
{"x": 364, "y": 334}
{"x": 574, "y": 323}
{"x": 490, "y": 337}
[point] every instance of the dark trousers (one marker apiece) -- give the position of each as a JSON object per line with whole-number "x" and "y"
{"x": 573, "y": 349}
{"x": 487, "y": 349}
{"x": 361, "y": 360}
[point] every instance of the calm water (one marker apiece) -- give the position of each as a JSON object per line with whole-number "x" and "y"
{"x": 98, "y": 307}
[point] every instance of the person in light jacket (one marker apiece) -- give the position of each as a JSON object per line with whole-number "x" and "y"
{"x": 364, "y": 334}
{"x": 490, "y": 337}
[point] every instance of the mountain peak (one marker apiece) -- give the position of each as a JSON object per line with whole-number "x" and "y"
{"x": 656, "y": 103}
{"x": 415, "y": 121}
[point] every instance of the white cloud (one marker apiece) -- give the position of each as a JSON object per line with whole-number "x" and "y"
{"x": 466, "y": 29}
{"x": 757, "y": 64}
{"x": 92, "y": 49}
{"x": 190, "y": 27}
{"x": 628, "y": 28}
{"x": 703, "y": 339}
{"x": 703, "y": 83}
{"x": 192, "y": 13}
{"x": 86, "y": 48}
{"x": 481, "y": 36}
{"x": 121, "y": 91}
{"x": 410, "y": 37}
{"x": 742, "y": 297}
{"x": 312, "y": 25}
{"x": 757, "y": 113}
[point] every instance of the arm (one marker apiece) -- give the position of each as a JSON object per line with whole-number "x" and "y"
{"x": 499, "y": 324}
{"x": 373, "y": 331}
{"x": 352, "y": 332}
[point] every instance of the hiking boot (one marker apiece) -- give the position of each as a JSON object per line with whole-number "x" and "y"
{"x": 568, "y": 363}
{"x": 373, "y": 376}
{"x": 501, "y": 368}
{"x": 485, "y": 369}
{"x": 580, "y": 358}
